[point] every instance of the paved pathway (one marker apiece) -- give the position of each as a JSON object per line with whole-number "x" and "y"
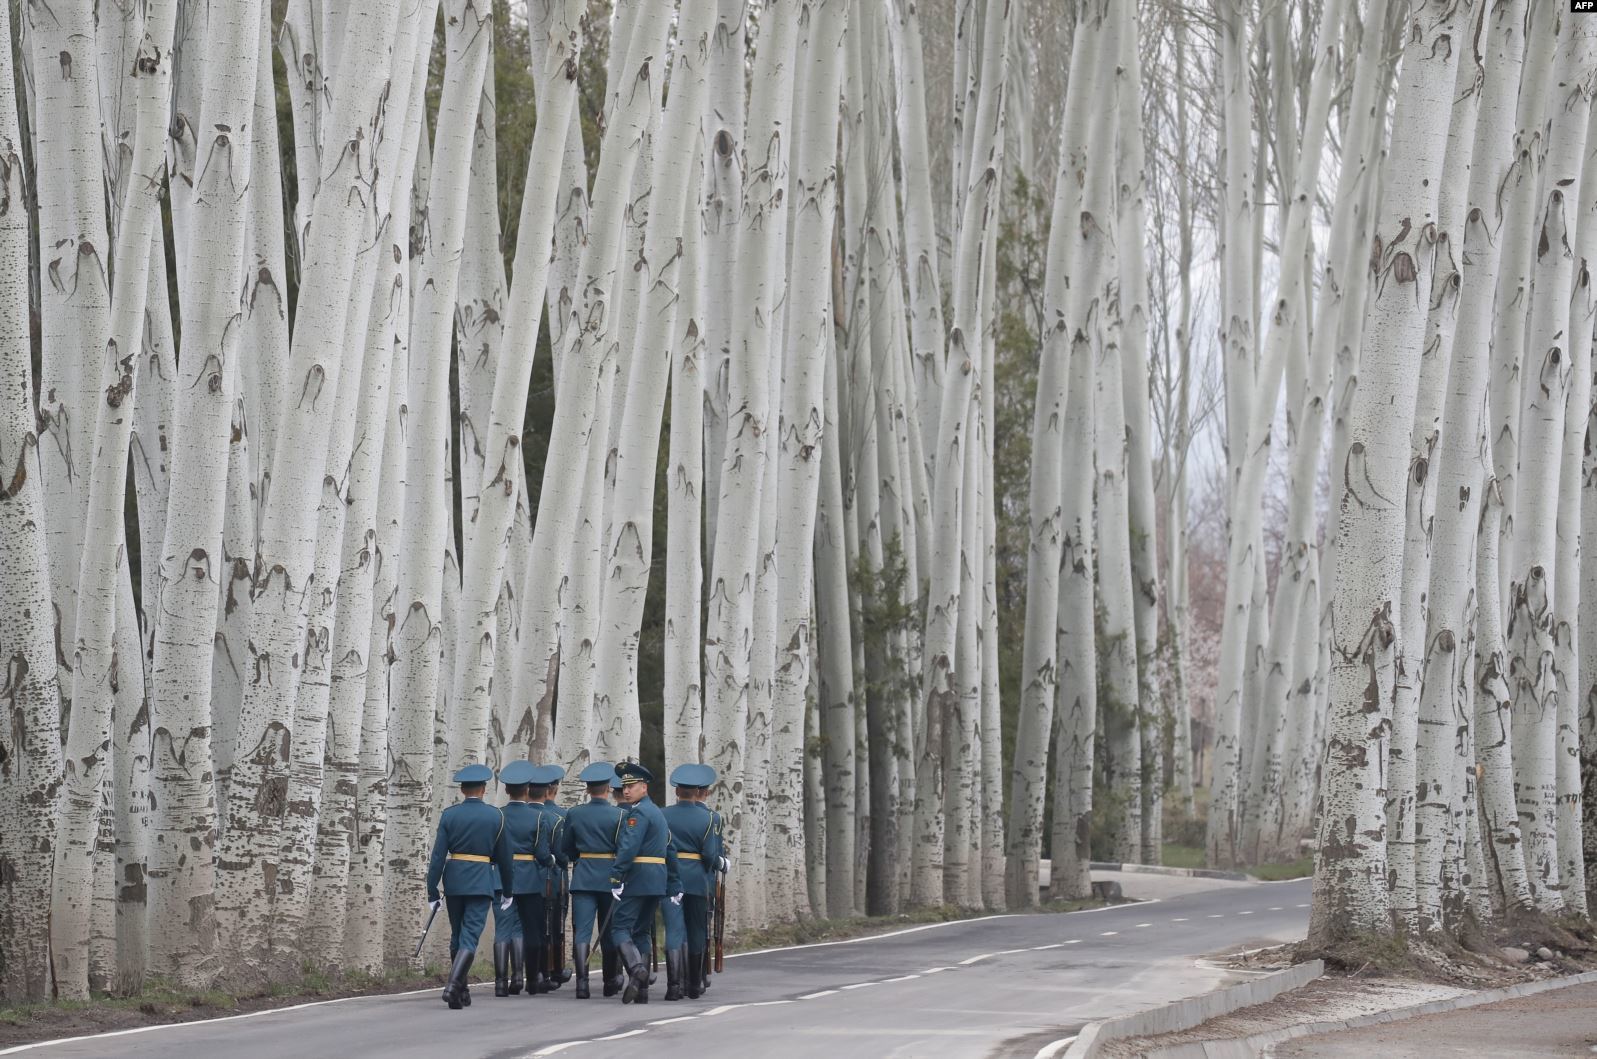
{"x": 1000, "y": 986}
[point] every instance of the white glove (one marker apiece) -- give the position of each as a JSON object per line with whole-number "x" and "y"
{"x": 504, "y": 905}
{"x": 434, "y": 906}
{"x": 676, "y": 899}
{"x": 615, "y": 892}
{"x": 726, "y": 865}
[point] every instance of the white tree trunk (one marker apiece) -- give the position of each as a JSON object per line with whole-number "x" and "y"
{"x": 657, "y": 328}
{"x": 927, "y": 335}
{"x": 501, "y": 475}
{"x": 834, "y": 636}
{"x": 1350, "y": 893}
{"x": 273, "y": 788}
{"x": 182, "y": 905}
{"x": 417, "y": 627}
{"x": 800, "y": 439}
{"x": 1566, "y": 581}
{"x": 951, "y": 503}
{"x": 1510, "y": 319}
{"x": 96, "y": 662}
{"x": 1586, "y": 689}
{"x": 1544, "y": 393}
{"x": 361, "y": 467}
{"x": 30, "y": 774}
{"x": 725, "y": 119}
{"x": 684, "y": 557}
{"x": 1500, "y": 826}
{"x": 1237, "y": 341}
{"x": 1446, "y": 705}
{"x": 1132, "y": 228}
{"x": 1066, "y": 301}
{"x": 761, "y": 251}
{"x": 74, "y": 250}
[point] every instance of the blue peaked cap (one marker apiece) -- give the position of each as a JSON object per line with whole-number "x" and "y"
{"x": 598, "y": 772}
{"x": 693, "y": 776}
{"x": 547, "y": 774}
{"x": 517, "y": 773}
{"x": 474, "y": 774}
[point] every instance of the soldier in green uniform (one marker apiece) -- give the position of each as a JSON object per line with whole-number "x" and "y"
{"x": 471, "y": 859}
{"x": 527, "y": 829}
{"x": 508, "y": 946}
{"x": 547, "y": 788}
{"x": 588, "y": 843}
{"x": 645, "y": 870}
{"x": 696, "y": 835}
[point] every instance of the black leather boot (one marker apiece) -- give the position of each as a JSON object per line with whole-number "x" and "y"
{"x": 676, "y": 972}
{"x": 501, "y": 968}
{"x": 518, "y": 949}
{"x": 695, "y": 975}
{"x": 581, "y": 960}
{"x": 637, "y": 967}
{"x": 611, "y": 962}
{"x": 536, "y": 956}
{"x": 455, "y": 994}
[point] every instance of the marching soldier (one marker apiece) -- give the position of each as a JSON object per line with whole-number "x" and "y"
{"x": 547, "y": 788}
{"x": 527, "y": 830}
{"x": 508, "y": 946}
{"x": 472, "y": 860}
{"x": 696, "y": 835}
{"x": 588, "y": 842}
{"x": 645, "y": 870}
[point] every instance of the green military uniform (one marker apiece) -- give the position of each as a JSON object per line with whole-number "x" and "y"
{"x": 527, "y": 832}
{"x": 471, "y": 860}
{"x": 645, "y": 870}
{"x": 588, "y": 843}
{"x": 549, "y": 776}
{"x": 696, "y": 835}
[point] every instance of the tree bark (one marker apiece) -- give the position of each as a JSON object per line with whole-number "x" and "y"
{"x": 31, "y": 768}
{"x": 1350, "y": 892}
{"x": 1543, "y": 396}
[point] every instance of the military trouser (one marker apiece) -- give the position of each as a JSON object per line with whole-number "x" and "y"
{"x": 530, "y": 911}
{"x": 687, "y": 924}
{"x": 468, "y": 914}
{"x": 507, "y": 923}
{"x": 587, "y": 908}
{"x": 634, "y": 921}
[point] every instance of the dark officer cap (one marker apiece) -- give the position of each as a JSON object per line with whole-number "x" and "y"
{"x": 632, "y": 772}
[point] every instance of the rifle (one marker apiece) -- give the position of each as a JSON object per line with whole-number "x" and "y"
{"x": 720, "y": 922}
{"x": 428, "y": 926}
{"x": 550, "y": 900}
{"x": 557, "y": 933}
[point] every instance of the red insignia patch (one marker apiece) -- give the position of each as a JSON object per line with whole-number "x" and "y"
{"x": 632, "y": 821}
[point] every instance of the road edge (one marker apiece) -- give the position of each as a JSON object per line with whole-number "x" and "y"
{"x": 1260, "y": 1043}
{"x": 1159, "y": 869}
{"x": 1193, "y": 1011}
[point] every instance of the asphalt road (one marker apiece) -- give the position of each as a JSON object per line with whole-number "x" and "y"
{"x": 1001, "y": 986}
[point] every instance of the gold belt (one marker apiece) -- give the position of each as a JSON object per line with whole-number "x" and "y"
{"x": 690, "y": 856}
{"x": 523, "y": 856}
{"x": 474, "y": 858}
{"x": 648, "y": 860}
{"x": 597, "y": 856}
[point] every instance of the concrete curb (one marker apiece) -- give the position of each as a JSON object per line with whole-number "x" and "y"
{"x": 1185, "y": 1014}
{"x": 1263, "y": 1043}
{"x": 1159, "y": 869}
